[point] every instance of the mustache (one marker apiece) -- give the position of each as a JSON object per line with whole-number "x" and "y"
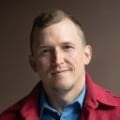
{"x": 58, "y": 69}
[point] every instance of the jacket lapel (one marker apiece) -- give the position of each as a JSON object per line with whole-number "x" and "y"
{"x": 30, "y": 109}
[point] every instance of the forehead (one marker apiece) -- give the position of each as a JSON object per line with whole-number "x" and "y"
{"x": 63, "y": 31}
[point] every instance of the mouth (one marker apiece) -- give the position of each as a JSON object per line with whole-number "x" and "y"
{"x": 58, "y": 72}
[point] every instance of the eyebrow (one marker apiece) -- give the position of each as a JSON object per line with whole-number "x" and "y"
{"x": 66, "y": 43}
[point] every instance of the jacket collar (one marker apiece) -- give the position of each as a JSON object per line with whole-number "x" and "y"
{"x": 96, "y": 95}
{"x": 30, "y": 109}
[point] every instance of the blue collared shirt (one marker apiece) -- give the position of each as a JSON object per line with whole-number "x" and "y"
{"x": 70, "y": 112}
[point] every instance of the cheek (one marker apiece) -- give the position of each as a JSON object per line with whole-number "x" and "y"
{"x": 43, "y": 64}
{"x": 77, "y": 59}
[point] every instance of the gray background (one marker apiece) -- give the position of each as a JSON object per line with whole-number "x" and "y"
{"x": 100, "y": 20}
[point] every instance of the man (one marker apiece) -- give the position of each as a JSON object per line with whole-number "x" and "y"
{"x": 59, "y": 54}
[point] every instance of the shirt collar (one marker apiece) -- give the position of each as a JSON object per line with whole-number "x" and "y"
{"x": 81, "y": 97}
{"x": 45, "y": 104}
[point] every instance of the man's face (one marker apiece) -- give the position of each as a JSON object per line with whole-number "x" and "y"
{"x": 60, "y": 56}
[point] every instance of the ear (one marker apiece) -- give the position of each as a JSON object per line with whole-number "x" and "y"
{"x": 32, "y": 63}
{"x": 87, "y": 54}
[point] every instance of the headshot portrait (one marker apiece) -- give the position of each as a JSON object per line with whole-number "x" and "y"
{"x": 69, "y": 76}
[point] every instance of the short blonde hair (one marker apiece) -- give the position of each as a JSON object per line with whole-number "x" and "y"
{"x": 48, "y": 18}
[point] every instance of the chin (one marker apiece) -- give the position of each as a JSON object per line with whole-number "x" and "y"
{"x": 63, "y": 86}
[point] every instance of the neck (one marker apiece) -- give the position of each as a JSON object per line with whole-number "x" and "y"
{"x": 60, "y": 99}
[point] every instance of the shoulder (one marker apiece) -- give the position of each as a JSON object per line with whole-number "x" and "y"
{"x": 113, "y": 97}
{"x": 101, "y": 101}
{"x": 100, "y": 95}
{"x": 19, "y": 109}
{"x": 13, "y": 112}
{"x": 107, "y": 97}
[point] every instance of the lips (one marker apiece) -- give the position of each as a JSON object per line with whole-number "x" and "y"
{"x": 59, "y": 72}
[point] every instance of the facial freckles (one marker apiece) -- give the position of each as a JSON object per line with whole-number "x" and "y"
{"x": 60, "y": 56}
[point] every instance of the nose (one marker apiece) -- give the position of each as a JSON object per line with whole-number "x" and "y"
{"x": 58, "y": 57}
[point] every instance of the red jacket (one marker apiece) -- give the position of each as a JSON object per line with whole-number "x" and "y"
{"x": 99, "y": 104}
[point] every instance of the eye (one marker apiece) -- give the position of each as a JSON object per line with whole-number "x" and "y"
{"x": 68, "y": 47}
{"x": 45, "y": 51}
